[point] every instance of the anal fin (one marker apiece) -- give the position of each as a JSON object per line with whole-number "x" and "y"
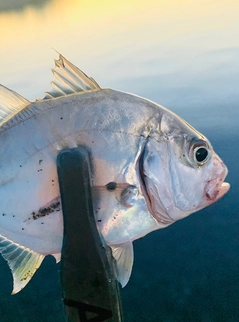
{"x": 22, "y": 261}
{"x": 124, "y": 256}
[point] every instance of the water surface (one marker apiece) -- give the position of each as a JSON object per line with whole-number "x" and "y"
{"x": 183, "y": 55}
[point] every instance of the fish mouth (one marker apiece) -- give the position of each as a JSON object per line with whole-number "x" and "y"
{"x": 216, "y": 189}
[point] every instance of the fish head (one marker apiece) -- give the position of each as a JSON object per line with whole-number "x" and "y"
{"x": 180, "y": 171}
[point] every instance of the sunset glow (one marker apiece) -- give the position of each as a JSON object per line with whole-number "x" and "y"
{"x": 99, "y": 33}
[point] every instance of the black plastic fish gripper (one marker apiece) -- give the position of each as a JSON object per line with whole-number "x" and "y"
{"x": 90, "y": 290}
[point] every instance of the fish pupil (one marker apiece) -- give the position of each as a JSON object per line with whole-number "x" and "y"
{"x": 201, "y": 154}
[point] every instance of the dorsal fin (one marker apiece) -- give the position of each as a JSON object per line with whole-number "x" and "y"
{"x": 22, "y": 261}
{"x": 69, "y": 79}
{"x": 10, "y": 104}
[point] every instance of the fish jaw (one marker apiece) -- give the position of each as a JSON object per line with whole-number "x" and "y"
{"x": 216, "y": 188}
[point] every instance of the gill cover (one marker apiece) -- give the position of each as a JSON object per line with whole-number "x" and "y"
{"x": 176, "y": 166}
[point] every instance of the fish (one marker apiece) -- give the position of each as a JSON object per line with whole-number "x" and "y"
{"x": 150, "y": 168}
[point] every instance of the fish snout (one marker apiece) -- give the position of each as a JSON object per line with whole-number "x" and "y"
{"x": 216, "y": 188}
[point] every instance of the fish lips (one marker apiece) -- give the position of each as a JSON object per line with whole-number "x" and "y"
{"x": 216, "y": 188}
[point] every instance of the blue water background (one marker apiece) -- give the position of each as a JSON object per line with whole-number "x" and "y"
{"x": 184, "y": 58}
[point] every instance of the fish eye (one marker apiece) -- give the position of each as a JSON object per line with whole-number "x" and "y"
{"x": 199, "y": 152}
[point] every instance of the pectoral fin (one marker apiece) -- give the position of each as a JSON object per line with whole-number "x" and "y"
{"x": 124, "y": 256}
{"x": 22, "y": 261}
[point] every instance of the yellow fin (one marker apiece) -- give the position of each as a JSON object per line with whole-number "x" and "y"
{"x": 22, "y": 261}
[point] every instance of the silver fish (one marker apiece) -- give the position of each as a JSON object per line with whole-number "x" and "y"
{"x": 150, "y": 168}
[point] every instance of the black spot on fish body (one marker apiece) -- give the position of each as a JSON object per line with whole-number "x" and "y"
{"x": 40, "y": 161}
{"x": 111, "y": 186}
{"x": 3, "y": 214}
{"x": 45, "y": 211}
